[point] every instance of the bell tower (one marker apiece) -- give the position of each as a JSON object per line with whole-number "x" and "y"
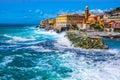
{"x": 86, "y": 13}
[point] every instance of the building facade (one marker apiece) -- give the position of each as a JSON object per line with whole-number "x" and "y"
{"x": 67, "y": 20}
{"x": 48, "y": 22}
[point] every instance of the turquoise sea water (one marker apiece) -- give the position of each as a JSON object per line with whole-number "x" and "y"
{"x": 27, "y": 53}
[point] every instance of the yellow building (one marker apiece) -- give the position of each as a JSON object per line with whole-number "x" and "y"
{"x": 51, "y": 21}
{"x": 92, "y": 19}
{"x": 48, "y": 22}
{"x": 41, "y": 23}
{"x": 65, "y": 20}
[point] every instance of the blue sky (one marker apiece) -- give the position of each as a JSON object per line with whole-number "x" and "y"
{"x": 32, "y": 11}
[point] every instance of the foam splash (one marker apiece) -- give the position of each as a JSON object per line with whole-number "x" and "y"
{"x": 16, "y": 38}
{"x": 33, "y": 43}
{"x": 108, "y": 70}
{"x": 114, "y": 51}
{"x": 39, "y": 49}
{"x": 62, "y": 41}
{"x": 50, "y": 32}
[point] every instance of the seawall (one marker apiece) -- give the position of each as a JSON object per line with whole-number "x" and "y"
{"x": 80, "y": 39}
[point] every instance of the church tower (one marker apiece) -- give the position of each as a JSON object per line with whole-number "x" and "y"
{"x": 86, "y": 13}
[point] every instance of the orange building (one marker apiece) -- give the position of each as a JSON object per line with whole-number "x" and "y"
{"x": 92, "y": 18}
{"x": 51, "y": 22}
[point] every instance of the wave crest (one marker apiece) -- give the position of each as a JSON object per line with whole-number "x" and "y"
{"x": 16, "y": 38}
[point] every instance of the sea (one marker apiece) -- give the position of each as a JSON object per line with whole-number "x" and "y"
{"x": 28, "y": 53}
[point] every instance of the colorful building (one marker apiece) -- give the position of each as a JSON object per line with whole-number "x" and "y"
{"x": 51, "y": 21}
{"x": 92, "y": 18}
{"x": 67, "y": 20}
{"x": 48, "y": 23}
{"x": 83, "y": 21}
{"x": 44, "y": 22}
{"x": 114, "y": 25}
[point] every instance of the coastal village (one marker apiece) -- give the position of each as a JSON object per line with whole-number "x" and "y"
{"x": 86, "y": 30}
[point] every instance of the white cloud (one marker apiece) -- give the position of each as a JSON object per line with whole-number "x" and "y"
{"x": 70, "y": 12}
{"x": 49, "y": 15}
{"x": 96, "y": 11}
{"x": 63, "y": 12}
{"x": 35, "y": 11}
{"x": 78, "y": 12}
{"x": 53, "y": 15}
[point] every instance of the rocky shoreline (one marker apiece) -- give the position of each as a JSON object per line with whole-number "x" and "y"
{"x": 83, "y": 41}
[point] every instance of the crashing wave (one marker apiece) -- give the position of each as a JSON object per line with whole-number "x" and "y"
{"x": 16, "y": 38}
{"x": 108, "y": 70}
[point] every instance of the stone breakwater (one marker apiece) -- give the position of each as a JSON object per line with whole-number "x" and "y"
{"x": 80, "y": 39}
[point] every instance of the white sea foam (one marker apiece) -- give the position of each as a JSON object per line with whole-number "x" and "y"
{"x": 50, "y": 32}
{"x": 114, "y": 51}
{"x": 31, "y": 43}
{"x": 16, "y": 38}
{"x": 108, "y": 70}
{"x": 62, "y": 41}
{"x": 39, "y": 49}
{"x": 9, "y": 41}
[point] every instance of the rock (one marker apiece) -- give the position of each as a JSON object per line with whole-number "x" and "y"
{"x": 78, "y": 40}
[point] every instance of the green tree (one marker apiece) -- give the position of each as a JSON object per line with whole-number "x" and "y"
{"x": 96, "y": 27}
